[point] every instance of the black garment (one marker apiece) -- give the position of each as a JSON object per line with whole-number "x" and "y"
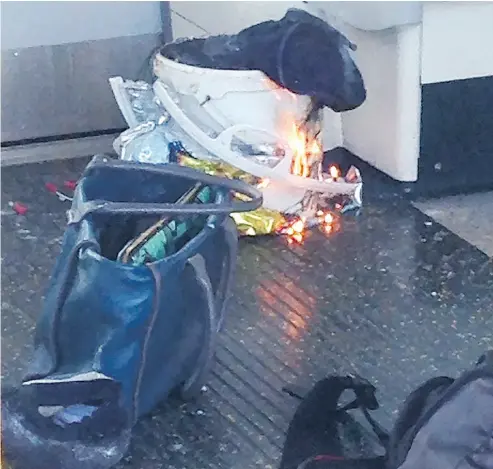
{"x": 300, "y": 52}
{"x": 323, "y": 434}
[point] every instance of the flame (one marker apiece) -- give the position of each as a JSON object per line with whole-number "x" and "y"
{"x": 299, "y": 226}
{"x": 327, "y": 222}
{"x": 296, "y": 229}
{"x": 305, "y": 147}
{"x": 297, "y": 142}
{"x": 305, "y": 150}
{"x": 334, "y": 172}
{"x": 296, "y": 238}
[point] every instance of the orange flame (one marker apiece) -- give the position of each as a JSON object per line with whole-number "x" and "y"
{"x": 304, "y": 150}
{"x": 297, "y": 228}
{"x": 296, "y": 238}
{"x": 334, "y": 172}
{"x": 297, "y": 143}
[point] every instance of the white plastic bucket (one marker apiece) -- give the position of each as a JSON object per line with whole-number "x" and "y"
{"x": 211, "y": 109}
{"x": 213, "y": 106}
{"x": 234, "y": 97}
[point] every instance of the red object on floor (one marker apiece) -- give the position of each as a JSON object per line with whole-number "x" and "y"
{"x": 70, "y": 185}
{"x": 19, "y": 208}
{"x": 51, "y": 187}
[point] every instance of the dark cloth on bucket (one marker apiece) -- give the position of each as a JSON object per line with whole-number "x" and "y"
{"x": 300, "y": 52}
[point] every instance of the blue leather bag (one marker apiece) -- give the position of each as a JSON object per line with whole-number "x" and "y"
{"x": 115, "y": 339}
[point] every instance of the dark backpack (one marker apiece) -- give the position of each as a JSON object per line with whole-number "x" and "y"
{"x": 444, "y": 424}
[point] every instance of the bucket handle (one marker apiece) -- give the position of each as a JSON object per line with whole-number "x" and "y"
{"x": 226, "y": 136}
{"x": 249, "y": 165}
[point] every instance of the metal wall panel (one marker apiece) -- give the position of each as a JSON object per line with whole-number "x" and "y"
{"x": 50, "y": 23}
{"x": 57, "y": 58}
{"x": 63, "y": 89}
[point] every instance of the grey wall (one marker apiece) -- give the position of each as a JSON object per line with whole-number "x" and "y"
{"x": 57, "y": 58}
{"x": 31, "y": 24}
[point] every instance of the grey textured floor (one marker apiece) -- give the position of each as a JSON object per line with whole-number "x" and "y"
{"x": 468, "y": 216}
{"x": 392, "y": 295}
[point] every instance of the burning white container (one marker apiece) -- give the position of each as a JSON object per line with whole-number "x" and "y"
{"x": 230, "y": 98}
{"x": 241, "y": 117}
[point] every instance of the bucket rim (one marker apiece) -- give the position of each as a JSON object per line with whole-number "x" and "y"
{"x": 161, "y": 60}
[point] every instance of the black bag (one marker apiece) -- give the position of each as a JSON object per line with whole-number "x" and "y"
{"x": 323, "y": 434}
{"x": 114, "y": 339}
{"x": 443, "y": 424}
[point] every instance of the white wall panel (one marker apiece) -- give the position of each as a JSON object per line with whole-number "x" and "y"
{"x": 457, "y": 40}
{"x": 227, "y": 17}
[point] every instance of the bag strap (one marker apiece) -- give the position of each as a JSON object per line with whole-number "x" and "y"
{"x": 193, "y": 384}
{"x": 82, "y": 208}
{"x": 48, "y": 325}
{"x": 365, "y": 400}
{"x": 228, "y": 273}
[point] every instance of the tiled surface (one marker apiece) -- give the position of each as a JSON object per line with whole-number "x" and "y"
{"x": 392, "y": 295}
{"x": 468, "y": 216}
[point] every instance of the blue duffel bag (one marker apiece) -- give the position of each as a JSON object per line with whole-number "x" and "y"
{"x": 117, "y": 337}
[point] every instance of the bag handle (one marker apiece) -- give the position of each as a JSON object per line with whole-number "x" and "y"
{"x": 49, "y": 324}
{"x": 332, "y": 389}
{"x": 335, "y": 386}
{"x": 81, "y": 208}
{"x": 366, "y": 401}
{"x": 227, "y": 279}
{"x": 192, "y": 386}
